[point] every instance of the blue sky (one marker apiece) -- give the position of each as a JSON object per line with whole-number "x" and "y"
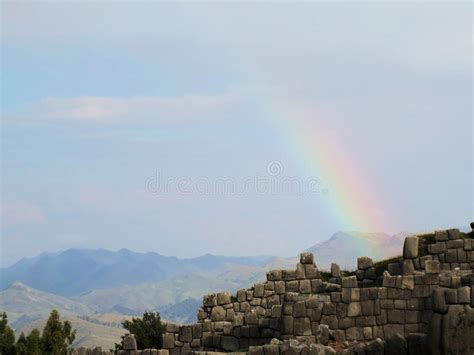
{"x": 100, "y": 97}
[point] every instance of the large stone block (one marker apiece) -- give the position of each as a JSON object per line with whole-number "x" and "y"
{"x": 185, "y": 334}
{"x": 306, "y": 258}
{"x": 274, "y": 275}
{"x": 292, "y": 286}
{"x": 258, "y": 290}
{"x": 417, "y": 343}
{"x": 441, "y": 235}
{"x": 349, "y": 282}
{"x": 354, "y": 334}
{"x": 299, "y": 272}
{"x": 305, "y": 286}
{"x": 229, "y": 343}
{"x": 271, "y": 349}
{"x": 209, "y": 300}
{"x": 457, "y": 330}
{"x": 396, "y": 345}
{"x": 311, "y": 271}
{"x": 317, "y": 286}
{"x": 451, "y": 296}
{"x": 453, "y": 233}
{"x": 288, "y": 275}
{"x": 439, "y": 301}
{"x": 375, "y": 347}
{"x": 354, "y": 309}
{"x": 302, "y": 326}
{"x": 299, "y": 309}
{"x": 410, "y": 247}
{"x": 408, "y": 283}
{"x": 130, "y": 343}
{"x": 364, "y": 262}
{"x": 287, "y": 325}
{"x": 218, "y": 314}
{"x": 452, "y": 256}
{"x": 224, "y": 298}
{"x": 396, "y": 316}
{"x": 464, "y": 295}
{"x": 432, "y": 266}
{"x": 335, "y": 270}
{"x": 407, "y": 267}
{"x": 168, "y": 341}
{"x": 280, "y": 287}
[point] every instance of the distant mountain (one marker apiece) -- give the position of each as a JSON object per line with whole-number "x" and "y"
{"x": 344, "y": 248}
{"x": 182, "y": 312}
{"x": 102, "y": 269}
{"x": 31, "y": 304}
{"x": 135, "y": 299}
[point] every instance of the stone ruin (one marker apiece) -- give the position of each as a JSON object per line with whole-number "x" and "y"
{"x": 419, "y": 303}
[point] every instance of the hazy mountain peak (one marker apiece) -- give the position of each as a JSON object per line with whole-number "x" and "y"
{"x": 19, "y": 286}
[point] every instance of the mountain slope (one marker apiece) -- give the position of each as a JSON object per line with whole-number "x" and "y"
{"x": 20, "y": 298}
{"x": 101, "y": 269}
{"x": 344, "y": 248}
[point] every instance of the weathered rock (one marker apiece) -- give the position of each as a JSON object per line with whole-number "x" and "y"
{"x": 302, "y": 326}
{"x": 218, "y": 314}
{"x": 441, "y": 236}
{"x": 458, "y": 330}
{"x": 407, "y": 267}
{"x": 439, "y": 301}
{"x": 364, "y": 262}
{"x": 320, "y": 349}
{"x": 396, "y": 345}
{"x": 129, "y": 342}
{"x": 354, "y": 309}
{"x": 375, "y": 347}
{"x": 271, "y": 349}
{"x": 229, "y": 343}
{"x": 432, "y": 266}
{"x": 417, "y": 344}
{"x": 168, "y": 341}
{"x": 224, "y": 298}
{"x": 209, "y": 300}
{"x": 410, "y": 247}
{"x": 306, "y": 258}
{"x": 335, "y": 270}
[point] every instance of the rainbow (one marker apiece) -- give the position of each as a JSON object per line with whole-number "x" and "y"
{"x": 352, "y": 200}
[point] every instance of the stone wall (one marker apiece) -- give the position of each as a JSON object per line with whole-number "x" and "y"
{"x": 426, "y": 294}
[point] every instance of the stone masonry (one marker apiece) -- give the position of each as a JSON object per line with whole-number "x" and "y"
{"x": 419, "y": 303}
{"x": 424, "y": 298}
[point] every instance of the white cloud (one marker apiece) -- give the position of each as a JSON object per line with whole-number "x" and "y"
{"x": 142, "y": 109}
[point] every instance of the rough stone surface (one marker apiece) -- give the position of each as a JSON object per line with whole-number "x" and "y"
{"x": 410, "y": 247}
{"x": 421, "y": 305}
{"x": 364, "y": 263}
{"x": 396, "y": 345}
{"x": 129, "y": 342}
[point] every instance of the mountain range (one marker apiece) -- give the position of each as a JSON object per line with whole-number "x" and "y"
{"x": 110, "y": 286}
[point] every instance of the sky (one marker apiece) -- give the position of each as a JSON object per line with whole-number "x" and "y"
{"x": 231, "y": 128}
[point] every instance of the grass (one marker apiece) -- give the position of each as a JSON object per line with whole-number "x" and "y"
{"x": 325, "y": 275}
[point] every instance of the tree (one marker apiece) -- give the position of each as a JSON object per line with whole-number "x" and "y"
{"x": 21, "y": 348}
{"x": 33, "y": 343}
{"x": 7, "y": 337}
{"x": 147, "y": 330}
{"x": 57, "y": 336}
